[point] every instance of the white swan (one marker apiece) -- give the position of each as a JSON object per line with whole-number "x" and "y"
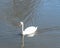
{"x": 29, "y": 31}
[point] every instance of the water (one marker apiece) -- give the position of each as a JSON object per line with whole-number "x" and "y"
{"x": 42, "y": 13}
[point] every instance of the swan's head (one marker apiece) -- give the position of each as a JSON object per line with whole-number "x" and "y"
{"x": 21, "y": 23}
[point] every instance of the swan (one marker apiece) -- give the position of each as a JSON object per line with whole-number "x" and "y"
{"x": 29, "y": 31}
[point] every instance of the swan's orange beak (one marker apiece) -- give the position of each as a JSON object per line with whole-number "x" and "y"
{"x": 19, "y": 24}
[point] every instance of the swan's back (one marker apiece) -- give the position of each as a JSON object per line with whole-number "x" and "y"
{"x": 29, "y": 30}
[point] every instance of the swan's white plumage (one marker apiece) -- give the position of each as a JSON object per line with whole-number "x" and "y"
{"x": 29, "y": 31}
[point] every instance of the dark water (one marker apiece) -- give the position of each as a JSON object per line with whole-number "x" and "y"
{"x": 42, "y": 13}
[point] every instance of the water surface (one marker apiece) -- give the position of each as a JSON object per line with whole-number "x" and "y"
{"x": 42, "y": 13}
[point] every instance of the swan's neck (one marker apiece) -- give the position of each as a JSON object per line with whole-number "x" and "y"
{"x": 22, "y": 28}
